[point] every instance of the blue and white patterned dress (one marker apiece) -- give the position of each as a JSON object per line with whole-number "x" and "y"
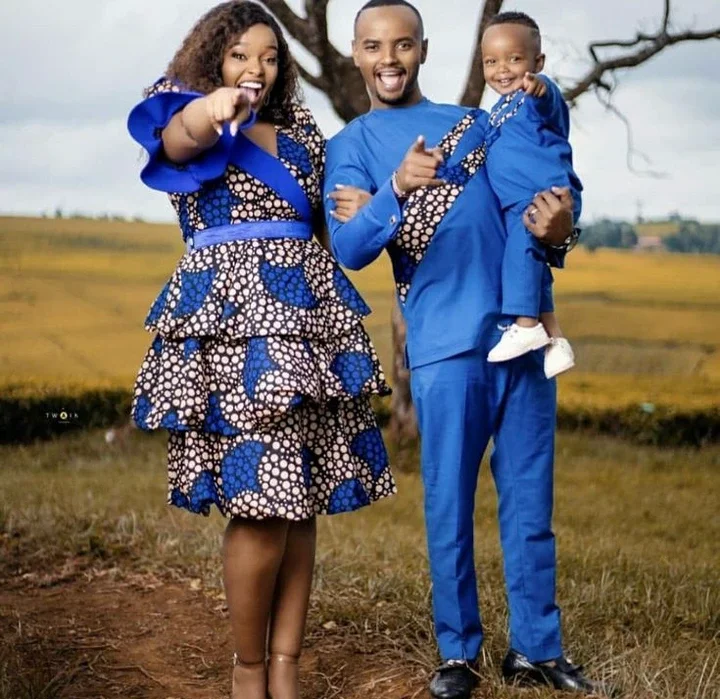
{"x": 260, "y": 367}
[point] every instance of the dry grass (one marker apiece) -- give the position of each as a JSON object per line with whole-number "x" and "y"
{"x": 73, "y": 294}
{"x": 638, "y": 527}
{"x": 614, "y": 390}
{"x": 638, "y": 532}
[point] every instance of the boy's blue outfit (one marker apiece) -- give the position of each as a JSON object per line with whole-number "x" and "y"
{"x": 528, "y": 152}
{"x": 446, "y": 244}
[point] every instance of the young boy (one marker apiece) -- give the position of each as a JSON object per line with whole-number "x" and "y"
{"x": 528, "y": 152}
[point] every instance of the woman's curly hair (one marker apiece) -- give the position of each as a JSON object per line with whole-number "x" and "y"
{"x": 198, "y": 63}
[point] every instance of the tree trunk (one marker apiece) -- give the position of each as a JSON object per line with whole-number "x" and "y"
{"x": 403, "y": 421}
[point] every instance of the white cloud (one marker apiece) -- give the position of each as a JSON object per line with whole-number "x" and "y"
{"x": 84, "y": 65}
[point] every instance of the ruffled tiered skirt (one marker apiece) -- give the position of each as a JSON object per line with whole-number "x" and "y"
{"x": 262, "y": 372}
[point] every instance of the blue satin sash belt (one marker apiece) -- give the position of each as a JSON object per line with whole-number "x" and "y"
{"x": 249, "y": 231}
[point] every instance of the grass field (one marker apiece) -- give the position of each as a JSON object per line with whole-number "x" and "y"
{"x": 638, "y": 532}
{"x": 74, "y": 292}
{"x": 638, "y": 527}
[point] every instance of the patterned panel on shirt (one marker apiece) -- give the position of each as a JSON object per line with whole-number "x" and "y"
{"x": 426, "y": 207}
{"x": 505, "y": 109}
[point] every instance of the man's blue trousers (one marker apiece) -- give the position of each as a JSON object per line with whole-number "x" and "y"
{"x": 461, "y": 403}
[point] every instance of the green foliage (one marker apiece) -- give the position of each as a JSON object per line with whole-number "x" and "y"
{"x": 677, "y": 235}
{"x": 607, "y": 233}
{"x": 29, "y": 413}
{"x": 695, "y": 237}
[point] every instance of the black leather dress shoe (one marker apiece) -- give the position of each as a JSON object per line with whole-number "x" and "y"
{"x": 559, "y": 673}
{"x": 453, "y": 680}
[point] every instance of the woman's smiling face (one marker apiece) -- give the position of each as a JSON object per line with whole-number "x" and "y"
{"x": 251, "y": 63}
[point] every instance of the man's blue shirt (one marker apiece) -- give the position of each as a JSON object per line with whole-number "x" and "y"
{"x": 454, "y": 299}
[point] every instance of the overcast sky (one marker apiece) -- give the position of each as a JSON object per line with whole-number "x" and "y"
{"x": 72, "y": 70}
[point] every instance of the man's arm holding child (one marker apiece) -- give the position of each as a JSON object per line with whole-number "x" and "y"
{"x": 361, "y": 219}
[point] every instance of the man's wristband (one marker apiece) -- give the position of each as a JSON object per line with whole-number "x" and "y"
{"x": 399, "y": 193}
{"x": 569, "y": 243}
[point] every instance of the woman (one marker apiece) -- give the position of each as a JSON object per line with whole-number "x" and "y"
{"x": 260, "y": 368}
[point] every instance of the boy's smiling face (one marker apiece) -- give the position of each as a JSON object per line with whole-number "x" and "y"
{"x": 508, "y": 52}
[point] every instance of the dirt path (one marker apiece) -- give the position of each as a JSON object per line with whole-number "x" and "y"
{"x": 79, "y": 632}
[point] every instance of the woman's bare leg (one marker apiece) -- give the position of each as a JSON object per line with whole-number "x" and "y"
{"x": 252, "y": 556}
{"x": 290, "y": 607}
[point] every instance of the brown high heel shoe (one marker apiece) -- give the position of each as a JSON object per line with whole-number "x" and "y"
{"x": 282, "y": 658}
{"x": 256, "y": 671}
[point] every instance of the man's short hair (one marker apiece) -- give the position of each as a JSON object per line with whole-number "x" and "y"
{"x": 392, "y": 3}
{"x": 516, "y": 18}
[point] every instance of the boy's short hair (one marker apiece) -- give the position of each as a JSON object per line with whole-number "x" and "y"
{"x": 517, "y": 18}
{"x": 392, "y": 3}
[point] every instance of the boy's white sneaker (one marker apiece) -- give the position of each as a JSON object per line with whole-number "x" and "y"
{"x": 559, "y": 357}
{"x": 517, "y": 341}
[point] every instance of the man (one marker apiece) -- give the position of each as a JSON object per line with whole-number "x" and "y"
{"x": 433, "y": 210}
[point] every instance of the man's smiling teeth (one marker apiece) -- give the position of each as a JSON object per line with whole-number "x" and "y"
{"x": 390, "y": 79}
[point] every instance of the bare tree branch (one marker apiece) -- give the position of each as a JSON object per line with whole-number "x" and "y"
{"x": 296, "y": 25}
{"x": 316, "y": 11}
{"x": 338, "y": 78}
{"x": 666, "y": 16}
{"x": 601, "y": 77}
{"x": 327, "y": 54}
{"x": 647, "y": 46}
{"x": 475, "y": 83}
{"x": 630, "y": 152}
{"x": 316, "y": 81}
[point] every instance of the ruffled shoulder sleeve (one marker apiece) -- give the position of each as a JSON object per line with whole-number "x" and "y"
{"x": 146, "y": 123}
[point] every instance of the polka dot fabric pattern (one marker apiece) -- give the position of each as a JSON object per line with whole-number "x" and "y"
{"x": 307, "y": 464}
{"x": 229, "y": 386}
{"x": 426, "y": 207}
{"x": 216, "y": 206}
{"x": 260, "y": 367}
{"x": 294, "y": 154}
{"x": 257, "y": 288}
